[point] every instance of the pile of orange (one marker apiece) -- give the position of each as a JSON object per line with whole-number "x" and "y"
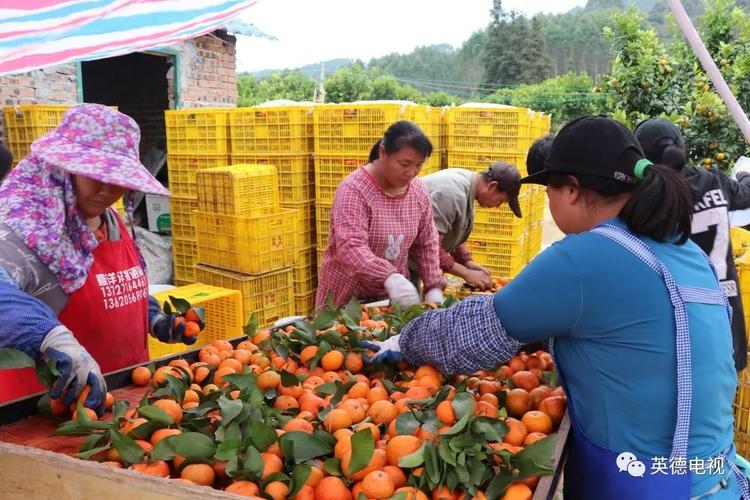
{"x": 532, "y": 411}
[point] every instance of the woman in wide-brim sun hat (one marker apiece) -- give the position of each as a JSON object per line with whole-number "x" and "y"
{"x": 73, "y": 286}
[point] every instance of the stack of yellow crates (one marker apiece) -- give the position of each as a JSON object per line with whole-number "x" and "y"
{"x": 24, "y": 124}
{"x": 344, "y": 135}
{"x": 741, "y": 406}
{"x": 197, "y": 139}
{"x": 245, "y": 240}
{"x": 282, "y": 135}
{"x": 478, "y": 135}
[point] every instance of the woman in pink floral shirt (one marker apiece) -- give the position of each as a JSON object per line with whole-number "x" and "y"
{"x": 381, "y": 218}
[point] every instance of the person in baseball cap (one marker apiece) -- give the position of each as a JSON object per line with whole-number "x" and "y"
{"x": 453, "y": 192}
{"x": 637, "y": 318}
{"x": 73, "y": 284}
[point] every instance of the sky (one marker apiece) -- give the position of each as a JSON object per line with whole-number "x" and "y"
{"x": 310, "y": 31}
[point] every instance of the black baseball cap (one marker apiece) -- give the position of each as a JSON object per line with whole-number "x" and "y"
{"x": 595, "y": 146}
{"x": 508, "y": 180}
{"x": 655, "y": 134}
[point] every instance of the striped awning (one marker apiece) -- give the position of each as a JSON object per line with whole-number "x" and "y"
{"x": 39, "y": 33}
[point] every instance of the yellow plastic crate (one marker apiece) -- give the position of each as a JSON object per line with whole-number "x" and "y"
{"x": 740, "y": 241}
{"x": 304, "y": 304}
{"x": 223, "y": 315}
{"x": 24, "y": 124}
{"x": 534, "y": 241}
{"x": 197, "y": 131}
{"x": 119, "y": 206}
{"x": 494, "y": 223}
{"x": 480, "y": 161}
{"x": 262, "y": 129}
{"x": 270, "y": 295}
{"x": 490, "y": 128}
{"x": 501, "y": 257}
{"x": 323, "y": 223}
{"x": 305, "y": 271}
{"x": 304, "y": 234}
{"x": 183, "y": 223}
{"x": 246, "y": 244}
{"x": 331, "y": 170}
{"x": 184, "y": 253}
{"x": 741, "y": 410}
{"x": 536, "y": 212}
{"x": 245, "y": 190}
{"x": 296, "y": 174}
{"x": 183, "y": 171}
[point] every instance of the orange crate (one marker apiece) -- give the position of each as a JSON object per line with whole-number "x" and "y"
{"x": 203, "y": 131}
{"x": 502, "y": 257}
{"x": 304, "y": 233}
{"x": 277, "y": 129}
{"x": 304, "y": 304}
{"x": 25, "y": 124}
{"x": 183, "y": 171}
{"x": 323, "y": 223}
{"x": 184, "y": 254}
{"x": 480, "y": 161}
{"x": 489, "y": 128}
{"x": 494, "y": 223}
{"x": 270, "y": 296}
{"x": 306, "y": 271}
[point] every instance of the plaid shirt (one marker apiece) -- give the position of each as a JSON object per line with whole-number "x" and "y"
{"x": 373, "y": 235}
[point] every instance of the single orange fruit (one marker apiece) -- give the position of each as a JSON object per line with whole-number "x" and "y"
{"x": 554, "y": 406}
{"x": 445, "y": 413}
{"x": 382, "y": 412}
{"x": 518, "y": 402}
{"x": 533, "y": 437}
{"x": 141, "y": 376}
{"x": 268, "y": 380}
{"x": 412, "y": 493}
{"x": 378, "y": 484}
{"x": 202, "y": 474}
{"x": 332, "y": 361}
{"x": 158, "y": 468}
{"x": 298, "y": 424}
{"x": 353, "y": 362}
{"x": 192, "y": 329}
{"x": 162, "y": 433}
{"x": 517, "y": 432}
{"x": 271, "y": 464}
{"x": 400, "y": 446}
{"x": 525, "y": 380}
{"x": 308, "y": 353}
{"x": 277, "y": 490}
{"x": 537, "y": 421}
{"x": 244, "y": 488}
{"x": 518, "y": 491}
{"x": 171, "y": 408}
{"x": 337, "y": 419}
{"x": 377, "y": 462}
{"x": 332, "y": 488}
{"x": 396, "y": 474}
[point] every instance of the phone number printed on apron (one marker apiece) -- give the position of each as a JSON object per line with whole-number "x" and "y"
{"x": 122, "y": 288}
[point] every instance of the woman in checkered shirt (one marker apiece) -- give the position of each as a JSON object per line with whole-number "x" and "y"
{"x": 381, "y": 217}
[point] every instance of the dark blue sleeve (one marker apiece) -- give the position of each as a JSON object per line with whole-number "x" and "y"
{"x": 544, "y": 300}
{"x": 154, "y": 309}
{"x": 26, "y": 320}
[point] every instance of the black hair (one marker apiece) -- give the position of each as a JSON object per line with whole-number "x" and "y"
{"x": 667, "y": 152}
{"x": 6, "y": 161}
{"x": 660, "y": 206}
{"x": 538, "y": 153}
{"x": 400, "y": 135}
{"x": 375, "y": 151}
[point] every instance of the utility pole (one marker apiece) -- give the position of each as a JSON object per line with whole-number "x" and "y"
{"x": 320, "y": 92}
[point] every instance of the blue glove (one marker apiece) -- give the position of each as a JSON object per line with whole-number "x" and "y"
{"x": 388, "y": 351}
{"x": 163, "y": 327}
{"x": 77, "y": 370}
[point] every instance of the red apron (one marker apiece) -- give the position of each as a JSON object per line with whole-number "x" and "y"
{"x": 108, "y": 315}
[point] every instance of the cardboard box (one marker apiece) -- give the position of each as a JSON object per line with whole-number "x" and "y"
{"x": 159, "y": 217}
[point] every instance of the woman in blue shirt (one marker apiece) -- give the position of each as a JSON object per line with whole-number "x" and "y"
{"x": 638, "y": 323}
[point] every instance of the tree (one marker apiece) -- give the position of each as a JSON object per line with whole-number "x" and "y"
{"x": 349, "y": 84}
{"x": 535, "y": 62}
{"x": 287, "y": 85}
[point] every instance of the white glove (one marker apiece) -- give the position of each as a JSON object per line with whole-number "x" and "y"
{"x": 401, "y": 290}
{"x": 388, "y": 350}
{"x": 434, "y": 296}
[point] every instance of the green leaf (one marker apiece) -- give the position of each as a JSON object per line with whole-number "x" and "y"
{"x": 46, "y": 372}
{"x": 227, "y": 449}
{"x": 333, "y": 338}
{"x": 129, "y": 451}
{"x": 324, "y": 320}
{"x": 85, "y": 455}
{"x": 232, "y": 468}
{"x": 155, "y": 414}
{"x": 303, "y": 446}
{"x": 241, "y": 381}
{"x": 399, "y": 496}
{"x": 288, "y": 379}
{"x": 328, "y": 389}
{"x": 458, "y": 426}
{"x": 252, "y": 326}
{"x": 261, "y": 435}
{"x": 363, "y": 446}
{"x": 92, "y": 441}
{"x": 163, "y": 449}
{"x": 353, "y": 309}
{"x": 176, "y": 386}
{"x": 230, "y": 409}
{"x": 535, "y": 459}
{"x": 463, "y": 404}
{"x": 300, "y": 473}
{"x": 432, "y": 463}
{"x": 228, "y": 432}
{"x": 490, "y": 429}
{"x": 413, "y": 459}
{"x": 167, "y": 308}
{"x": 446, "y": 454}
{"x": 407, "y": 424}
{"x": 332, "y": 466}
{"x": 253, "y": 463}
{"x": 181, "y": 305}
{"x": 499, "y": 484}
{"x": 194, "y": 445}
{"x": 306, "y": 330}
{"x": 119, "y": 409}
